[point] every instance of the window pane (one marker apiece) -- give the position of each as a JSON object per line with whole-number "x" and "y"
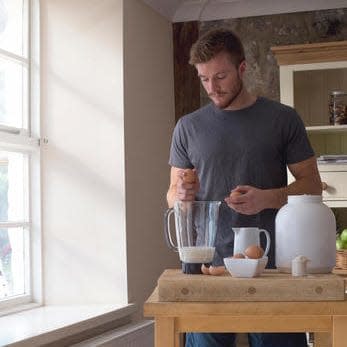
{"x": 13, "y": 186}
{"x": 13, "y": 26}
{"x": 13, "y": 93}
{"x": 13, "y": 261}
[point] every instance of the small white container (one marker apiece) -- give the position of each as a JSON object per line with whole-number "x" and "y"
{"x": 299, "y": 266}
{"x": 305, "y": 225}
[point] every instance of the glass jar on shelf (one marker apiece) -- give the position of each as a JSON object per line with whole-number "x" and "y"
{"x": 338, "y": 107}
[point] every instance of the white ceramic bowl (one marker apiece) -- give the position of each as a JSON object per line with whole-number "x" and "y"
{"x": 245, "y": 267}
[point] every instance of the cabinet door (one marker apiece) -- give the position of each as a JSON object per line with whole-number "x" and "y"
{"x": 335, "y": 191}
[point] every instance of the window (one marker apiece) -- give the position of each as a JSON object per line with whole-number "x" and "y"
{"x": 19, "y": 155}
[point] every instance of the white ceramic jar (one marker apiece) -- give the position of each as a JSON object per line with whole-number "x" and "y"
{"x": 306, "y": 226}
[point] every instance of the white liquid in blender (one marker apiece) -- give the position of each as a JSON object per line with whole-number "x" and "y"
{"x": 196, "y": 254}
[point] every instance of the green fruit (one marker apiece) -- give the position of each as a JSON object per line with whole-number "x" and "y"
{"x": 343, "y": 235}
{"x": 339, "y": 244}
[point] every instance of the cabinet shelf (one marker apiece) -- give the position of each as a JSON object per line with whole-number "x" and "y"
{"x": 308, "y": 73}
{"x": 326, "y": 129}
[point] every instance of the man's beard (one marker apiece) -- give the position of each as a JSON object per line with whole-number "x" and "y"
{"x": 232, "y": 98}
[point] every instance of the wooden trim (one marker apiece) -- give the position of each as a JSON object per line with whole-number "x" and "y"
{"x": 258, "y": 323}
{"x": 187, "y": 84}
{"x": 339, "y": 331}
{"x": 164, "y": 332}
{"x": 310, "y": 53}
{"x": 172, "y": 318}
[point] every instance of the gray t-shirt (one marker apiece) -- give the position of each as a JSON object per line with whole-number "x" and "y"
{"x": 251, "y": 146}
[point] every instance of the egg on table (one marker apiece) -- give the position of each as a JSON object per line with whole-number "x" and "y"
{"x": 205, "y": 269}
{"x": 213, "y": 270}
{"x": 217, "y": 270}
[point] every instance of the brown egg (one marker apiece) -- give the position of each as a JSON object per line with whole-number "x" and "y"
{"x": 205, "y": 270}
{"x": 216, "y": 270}
{"x": 254, "y": 252}
{"x": 238, "y": 256}
{"x": 189, "y": 176}
{"x": 235, "y": 194}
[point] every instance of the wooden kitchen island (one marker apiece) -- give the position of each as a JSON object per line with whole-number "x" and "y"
{"x": 222, "y": 315}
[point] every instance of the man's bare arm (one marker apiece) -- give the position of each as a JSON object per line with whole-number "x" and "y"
{"x": 180, "y": 188}
{"x": 253, "y": 200}
{"x": 307, "y": 181}
{"x": 171, "y": 193}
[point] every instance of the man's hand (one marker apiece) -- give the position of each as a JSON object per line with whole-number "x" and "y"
{"x": 249, "y": 200}
{"x": 254, "y": 200}
{"x": 187, "y": 185}
{"x": 184, "y": 184}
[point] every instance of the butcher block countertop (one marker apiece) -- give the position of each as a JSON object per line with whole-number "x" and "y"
{"x": 174, "y": 286}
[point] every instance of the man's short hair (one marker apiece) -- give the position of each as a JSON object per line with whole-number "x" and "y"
{"x": 214, "y": 42}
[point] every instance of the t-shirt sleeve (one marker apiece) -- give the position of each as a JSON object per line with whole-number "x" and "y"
{"x": 179, "y": 148}
{"x": 298, "y": 147}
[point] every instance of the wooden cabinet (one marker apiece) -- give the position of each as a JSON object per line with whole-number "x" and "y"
{"x": 308, "y": 73}
{"x": 334, "y": 178}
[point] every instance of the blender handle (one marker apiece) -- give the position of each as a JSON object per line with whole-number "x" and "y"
{"x": 268, "y": 241}
{"x": 167, "y": 230}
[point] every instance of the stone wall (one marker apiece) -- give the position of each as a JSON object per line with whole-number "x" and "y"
{"x": 260, "y": 33}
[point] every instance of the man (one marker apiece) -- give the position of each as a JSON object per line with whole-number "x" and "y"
{"x": 239, "y": 143}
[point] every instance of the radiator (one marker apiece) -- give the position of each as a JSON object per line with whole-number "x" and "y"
{"x": 139, "y": 334}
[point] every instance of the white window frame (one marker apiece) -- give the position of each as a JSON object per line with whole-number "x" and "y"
{"x": 27, "y": 141}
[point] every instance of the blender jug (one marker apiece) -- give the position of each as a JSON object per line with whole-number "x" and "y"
{"x": 196, "y": 227}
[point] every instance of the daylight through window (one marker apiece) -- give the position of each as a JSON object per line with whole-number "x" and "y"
{"x": 17, "y": 146}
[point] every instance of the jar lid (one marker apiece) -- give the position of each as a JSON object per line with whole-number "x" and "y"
{"x": 304, "y": 198}
{"x": 337, "y": 92}
{"x": 300, "y": 259}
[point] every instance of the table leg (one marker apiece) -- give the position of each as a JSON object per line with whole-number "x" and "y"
{"x": 164, "y": 331}
{"x": 179, "y": 340}
{"x": 339, "y": 331}
{"x": 322, "y": 340}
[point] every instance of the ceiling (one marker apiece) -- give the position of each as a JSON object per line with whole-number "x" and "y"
{"x": 204, "y": 10}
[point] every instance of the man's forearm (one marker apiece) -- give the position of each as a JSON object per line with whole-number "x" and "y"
{"x": 171, "y": 196}
{"x": 307, "y": 185}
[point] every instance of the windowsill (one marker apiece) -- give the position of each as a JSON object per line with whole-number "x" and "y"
{"x": 48, "y": 324}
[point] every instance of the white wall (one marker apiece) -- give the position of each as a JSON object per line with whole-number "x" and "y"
{"x": 83, "y": 162}
{"x": 103, "y": 205}
{"x": 149, "y": 122}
